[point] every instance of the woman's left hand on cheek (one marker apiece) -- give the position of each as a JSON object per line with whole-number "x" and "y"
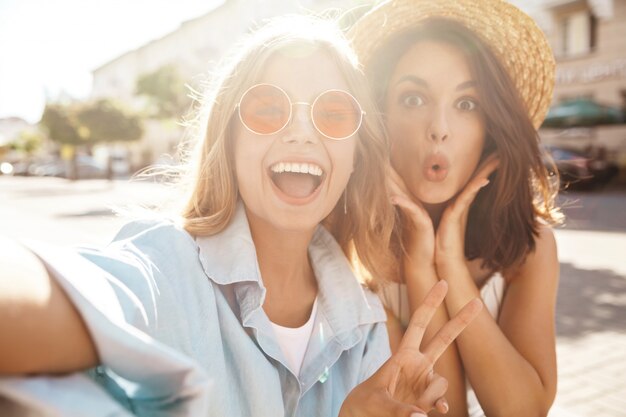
{"x": 450, "y": 236}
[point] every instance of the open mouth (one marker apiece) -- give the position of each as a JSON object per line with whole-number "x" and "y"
{"x": 297, "y": 179}
{"x": 436, "y": 167}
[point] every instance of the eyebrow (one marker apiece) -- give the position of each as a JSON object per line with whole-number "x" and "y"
{"x": 466, "y": 85}
{"x": 413, "y": 79}
{"x": 422, "y": 83}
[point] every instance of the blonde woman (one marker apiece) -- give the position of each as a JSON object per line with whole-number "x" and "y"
{"x": 247, "y": 304}
{"x": 463, "y": 86}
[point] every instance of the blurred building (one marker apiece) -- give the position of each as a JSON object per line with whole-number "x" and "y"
{"x": 589, "y": 42}
{"x": 588, "y": 38}
{"x": 194, "y": 48}
{"x": 10, "y": 128}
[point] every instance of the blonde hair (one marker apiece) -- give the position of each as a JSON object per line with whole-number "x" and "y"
{"x": 364, "y": 232}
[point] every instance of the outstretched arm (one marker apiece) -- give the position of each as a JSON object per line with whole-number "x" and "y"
{"x": 40, "y": 329}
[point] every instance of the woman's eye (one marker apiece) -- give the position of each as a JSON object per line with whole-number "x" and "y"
{"x": 467, "y": 105}
{"x": 412, "y": 100}
{"x": 269, "y": 111}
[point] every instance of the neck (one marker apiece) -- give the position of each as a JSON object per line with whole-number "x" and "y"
{"x": 435, "y": 211}
{"x": 282, "y": 254}
{"x": 287, "y": 274}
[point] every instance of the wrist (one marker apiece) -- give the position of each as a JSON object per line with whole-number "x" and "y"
{"x": 452, "y": 270}
{"x": 422, "y": 270}
{"x": 418, "y": 261}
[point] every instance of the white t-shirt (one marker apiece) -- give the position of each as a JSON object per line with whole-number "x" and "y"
{"x": 294, "y": 340}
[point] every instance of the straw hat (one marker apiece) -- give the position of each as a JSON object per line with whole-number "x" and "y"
{"x": 512, "y": 35}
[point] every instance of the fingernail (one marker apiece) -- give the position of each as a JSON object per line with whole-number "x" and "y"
{"x": 445, "y": 406}
{"x": 418, "y": 415}
{"x": 485, "y": 182}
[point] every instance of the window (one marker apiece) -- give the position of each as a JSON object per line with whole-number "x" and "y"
{"x": 577, "y": 33}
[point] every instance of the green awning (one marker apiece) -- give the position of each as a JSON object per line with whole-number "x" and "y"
{"x": 582, "y": 113}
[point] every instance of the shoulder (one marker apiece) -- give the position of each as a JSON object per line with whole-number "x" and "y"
{"x": 164, "y": 238}
{"x": 541, "y": 263}
{"x": 545, "y": 252}
{"x": 146, "y": 253}
{"x": 151, "y": 228}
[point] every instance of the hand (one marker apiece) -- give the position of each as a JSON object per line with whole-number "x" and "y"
{"x": 418, "y": 232}
{"x": 450, "y": 236}
{"x": 406, "y": 386}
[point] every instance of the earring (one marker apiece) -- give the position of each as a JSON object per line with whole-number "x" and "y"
{"x": 345, "y": 203}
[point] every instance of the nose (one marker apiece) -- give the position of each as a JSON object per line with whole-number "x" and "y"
{"x": 438, "y": 130}
{"x": 300, "y": 128}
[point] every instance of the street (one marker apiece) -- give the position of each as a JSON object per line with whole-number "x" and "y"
{"x": 591, "y": 311}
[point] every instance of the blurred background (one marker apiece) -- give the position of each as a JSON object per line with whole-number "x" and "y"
{"x": 91, "y": 92}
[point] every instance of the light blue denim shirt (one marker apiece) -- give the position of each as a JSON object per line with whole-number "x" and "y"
{"x": 180, "y": 330}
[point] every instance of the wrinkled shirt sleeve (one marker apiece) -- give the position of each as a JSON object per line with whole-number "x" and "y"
{"x": 119, "y": 294}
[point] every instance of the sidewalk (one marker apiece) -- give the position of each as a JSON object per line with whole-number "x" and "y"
{"x": 591, "y": 307}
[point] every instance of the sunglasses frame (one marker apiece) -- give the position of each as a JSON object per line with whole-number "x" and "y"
{"x": 311, "y": 105}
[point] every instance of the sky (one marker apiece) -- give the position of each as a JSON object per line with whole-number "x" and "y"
{"x": 48, "y": 48}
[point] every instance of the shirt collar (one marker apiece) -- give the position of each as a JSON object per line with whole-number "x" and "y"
{"x": 229, "y": 257}
{"x": 344, "y": 301}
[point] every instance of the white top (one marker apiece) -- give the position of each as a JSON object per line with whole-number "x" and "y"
{"x": 294, "y": 340}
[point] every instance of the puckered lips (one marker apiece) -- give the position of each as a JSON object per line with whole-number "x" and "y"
{"x": 435, "y": 167}
{"x": 296, "y": 182}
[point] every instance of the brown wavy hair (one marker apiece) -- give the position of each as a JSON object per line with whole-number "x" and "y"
{"x": 505, "y": 217}
{"x": 364, "y": 232}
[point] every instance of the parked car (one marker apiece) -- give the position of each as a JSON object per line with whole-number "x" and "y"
{"x": 119, "y": 166}
{"x": 87, "y": 167}
{"x": 580, "y": 170}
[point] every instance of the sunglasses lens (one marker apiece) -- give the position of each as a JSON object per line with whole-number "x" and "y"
{"x": 337, "y": 114}
{"x": 264, "y": 109}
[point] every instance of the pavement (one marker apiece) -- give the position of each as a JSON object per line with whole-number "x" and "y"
{"x": 591, "y": 307}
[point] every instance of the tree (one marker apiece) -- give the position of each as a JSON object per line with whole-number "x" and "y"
{"x": 62, "y": 125}
{"x": 106, "y": 121}
{"x": 27, "y": 142}
{"x": 166, "y": 90}
{"x": 85, "y": 124}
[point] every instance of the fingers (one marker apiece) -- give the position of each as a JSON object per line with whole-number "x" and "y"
{"x": 401, "y": 197}
{"x": 396, "y": 183}
{"x": 365, "y": 402}
{"x": 446, "y": 335}
{"x": 422, "y": 316}
{"x": 478, "y": 181}
{"x": 489, "y": 165}
{"x": 467, "y": 196}
{"x": 481, "y": 175}
{"x": 442, "y": 405}
{"x": 434, "y": 393}
{"x": 414, "y": 210}
{"x": 385, "y": 406}
{"x": 397, "y": 409}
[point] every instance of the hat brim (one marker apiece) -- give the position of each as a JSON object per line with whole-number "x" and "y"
{"x": 513, "y": 36}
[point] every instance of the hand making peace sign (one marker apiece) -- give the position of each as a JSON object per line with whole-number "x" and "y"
{"x": 406, "y": 385}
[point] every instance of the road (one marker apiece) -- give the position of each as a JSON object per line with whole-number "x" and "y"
{"x": 591, "y": 309}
